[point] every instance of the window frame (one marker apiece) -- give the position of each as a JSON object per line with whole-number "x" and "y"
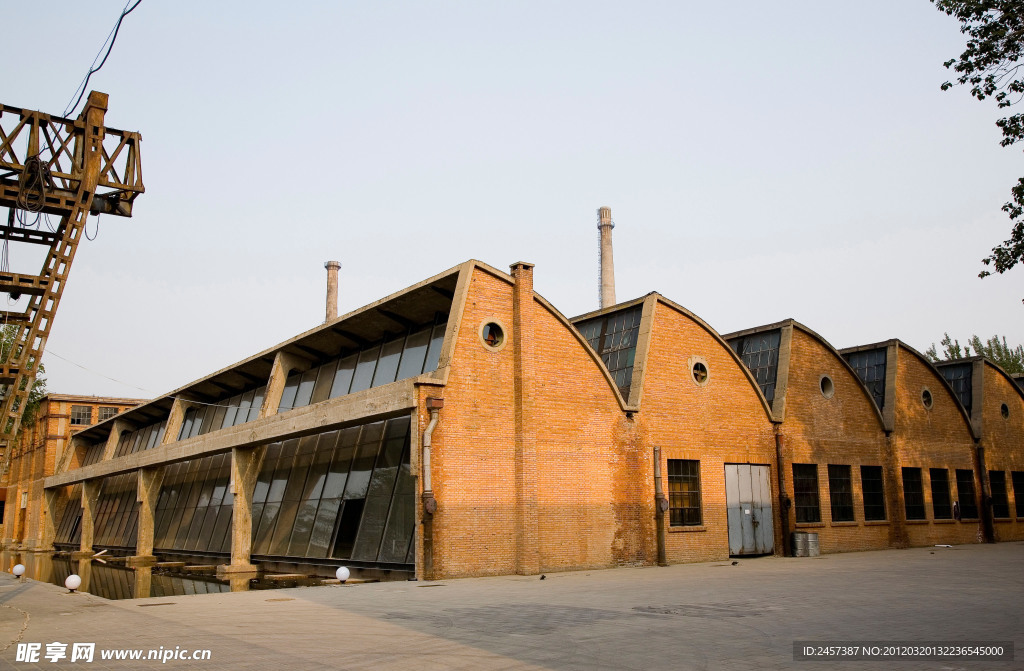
{"x": 877, "y": 497}
{"x": 681, "y": 514}
{"x": 913, "y": 495}
{"x": 802, "y": 500}
{"x": 940, "y": 494}
{"x": 840, "y": 490}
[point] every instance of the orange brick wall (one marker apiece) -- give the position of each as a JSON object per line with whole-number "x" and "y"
{"x": 721, "y": 422}
{"x": 939, "y": 437}
{"x": 844, "y": 429}
{"x": 1003, "y": 439}
{"x": 583, "y": 446}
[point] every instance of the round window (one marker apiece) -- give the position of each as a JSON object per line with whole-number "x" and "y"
{"x": 926, "y": 398}
{"x": 700, "y": 373}
{"x": 492, "y": 335}
{"x": 827, "y": 388}
{"x": 1004, "y": 410}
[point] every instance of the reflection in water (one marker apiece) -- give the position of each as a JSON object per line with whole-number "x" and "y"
{"x": 115, "y": 581}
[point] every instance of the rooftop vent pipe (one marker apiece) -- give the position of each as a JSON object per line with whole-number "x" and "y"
{"x": 606, "y": 276}
{"x": 332, "y": 289}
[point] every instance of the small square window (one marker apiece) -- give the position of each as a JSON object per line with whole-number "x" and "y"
{"x": 81, "y": 415}
{"x": 104, "y": 413}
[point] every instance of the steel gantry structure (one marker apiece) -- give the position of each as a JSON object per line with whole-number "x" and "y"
{"x": 67, "y": 168}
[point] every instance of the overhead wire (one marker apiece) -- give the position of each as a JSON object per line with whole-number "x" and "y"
{"x": 112, "y": 37}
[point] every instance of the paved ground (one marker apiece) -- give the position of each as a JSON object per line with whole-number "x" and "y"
{"x": 697, "y": 616}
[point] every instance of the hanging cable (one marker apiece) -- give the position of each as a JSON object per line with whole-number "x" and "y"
{"x": 112, "y": 37}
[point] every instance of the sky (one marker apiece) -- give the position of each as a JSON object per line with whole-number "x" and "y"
{"x": 762, "y": 161}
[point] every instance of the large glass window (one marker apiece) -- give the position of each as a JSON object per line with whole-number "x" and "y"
{"x": 942, "y": 505}
{"x": 1000, "y": 502}
{"x": 760, "y": 352}
{"x": 614, "y": 337}
{"x": 840, "y": 487}
{"x": 959, "y": 378}
{"x": 967, "y": 498}
{"x": 870, "y": 368}
{"x": 105, "y": 413}
{"x": 684, "y": 492}
{"x": 913, "y": 494}
{"x": 805, "y": 493}
{"x": 874, "y": 492}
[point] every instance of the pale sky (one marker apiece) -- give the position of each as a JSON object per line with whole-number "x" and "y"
{"x": 762, "y": 161}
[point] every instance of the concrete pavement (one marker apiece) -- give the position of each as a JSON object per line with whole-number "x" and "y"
{"x": 692, "y": 616}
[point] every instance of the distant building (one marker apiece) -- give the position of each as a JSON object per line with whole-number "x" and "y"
{"x": 41, "y": 443}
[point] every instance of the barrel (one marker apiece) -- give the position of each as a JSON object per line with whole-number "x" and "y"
{"x": 800, "y": 544}
{"x": 812, "y": 544}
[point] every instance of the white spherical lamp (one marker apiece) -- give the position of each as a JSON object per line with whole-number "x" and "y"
{"x": 343, "y": 573}
{"x": 18, "y": 570}
{"x": 73, "y": 582}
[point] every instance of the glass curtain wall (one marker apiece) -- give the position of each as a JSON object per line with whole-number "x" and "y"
{"x": 343, "y": 494}
{"x": 144, "y": 438}
{"x": 406, "y": 355}
{"x": 227, "y": 412}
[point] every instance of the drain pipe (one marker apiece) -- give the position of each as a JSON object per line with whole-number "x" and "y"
{"x": 660, "y": 506}
{"x": 434, "y": 406}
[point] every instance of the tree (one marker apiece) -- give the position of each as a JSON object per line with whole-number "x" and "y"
{"x": 995, "y": 349}
{"x": 8, "y": 332}
{"x": 990, "y": 66}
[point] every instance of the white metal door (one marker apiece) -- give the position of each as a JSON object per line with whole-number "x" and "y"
{"x": 748, "y": 500}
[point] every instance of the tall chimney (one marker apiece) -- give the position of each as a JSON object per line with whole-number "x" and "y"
{"x": 332, "y": 289}
{"x": 606, "y": 277}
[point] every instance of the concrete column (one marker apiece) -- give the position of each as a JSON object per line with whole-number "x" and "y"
{"x": 527, "y": 546}
{"x": 245, "y": 468}
{"x": 90, "y": 503}
{"x": 48, "y": 523}
{"x": 284, "y": 364}
{"x": 150, "y": 481}
{"x": 605, "y": 225}
{"x": 332, "y": 289}
{"x": 143, "y": 582}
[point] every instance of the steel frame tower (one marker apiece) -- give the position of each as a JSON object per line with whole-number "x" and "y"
{"x": 68, "y": 168}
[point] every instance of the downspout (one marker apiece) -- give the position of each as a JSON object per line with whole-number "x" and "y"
{"x": 785, "y": 503}
{"x": 434, "y": 406}
{"x": 660, "y": 506}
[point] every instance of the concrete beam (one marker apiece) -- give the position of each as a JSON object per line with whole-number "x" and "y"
{"x": 114, "y": 437}
{"x": 380, "y": 402}
{"x": 284, "y": 364}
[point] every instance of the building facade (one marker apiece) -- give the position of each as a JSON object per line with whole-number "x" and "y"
{"x": 465, "y": 427}
{"x": 41, "y": 444}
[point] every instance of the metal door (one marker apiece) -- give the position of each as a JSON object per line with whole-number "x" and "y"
{"x": 748, "y": 500}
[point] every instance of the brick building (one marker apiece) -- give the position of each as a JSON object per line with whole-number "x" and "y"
{"x": 464, "y": 426}
{"x": 41, "y": 443}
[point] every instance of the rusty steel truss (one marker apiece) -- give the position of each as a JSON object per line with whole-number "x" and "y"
{"x": 67, "y": 168}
